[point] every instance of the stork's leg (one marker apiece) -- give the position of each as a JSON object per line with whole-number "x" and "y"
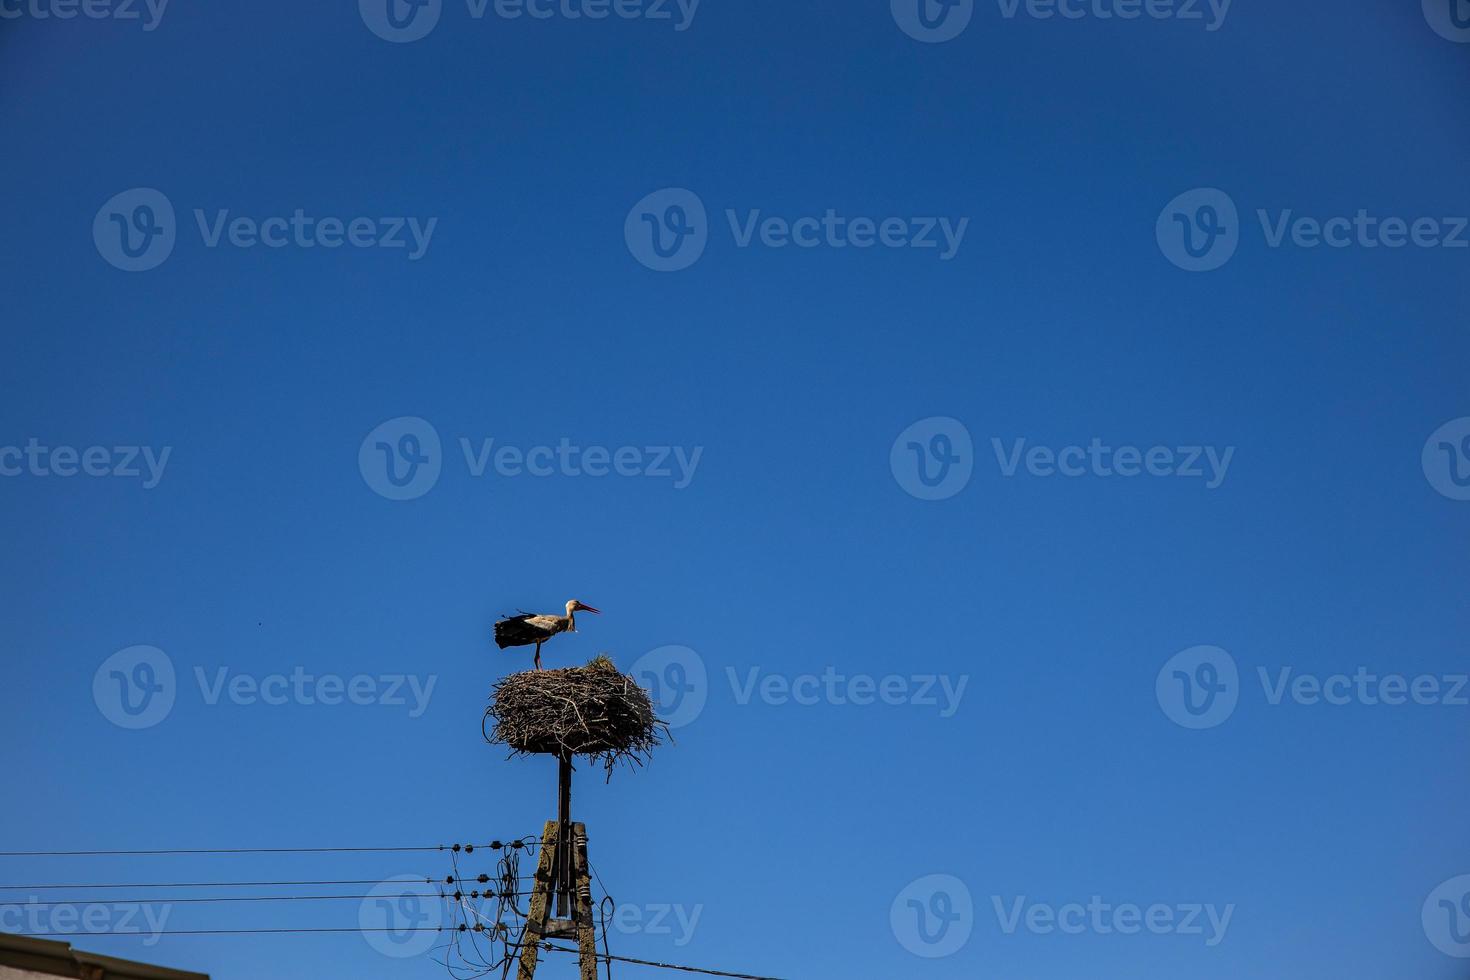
{"x": 538, "y": 656}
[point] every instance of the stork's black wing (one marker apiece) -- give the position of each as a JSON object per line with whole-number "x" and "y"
{"x": 520, "y": 631}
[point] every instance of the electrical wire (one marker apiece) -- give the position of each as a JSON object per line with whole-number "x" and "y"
{"x": 246, "y": 884}
{"x": 239, "y": 898}
{"x": 663, "y": 966}
{"x": 226, "y": 932}
{"x": 467, "y": 848}
{"x": 603, "y": 914}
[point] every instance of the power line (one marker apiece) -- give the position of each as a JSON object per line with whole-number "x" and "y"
{"x": 260, "y": 932}
{"x": 483, "y": 879}
{"x": 200, "y": 884}
{"x": 466, "y": 848}
{"x": 663, "y": 966}
{"x": 218, "y": 932}
{"x": 487, "y": 893}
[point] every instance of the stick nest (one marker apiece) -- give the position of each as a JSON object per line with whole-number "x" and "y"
{"x": 593, "y": 711}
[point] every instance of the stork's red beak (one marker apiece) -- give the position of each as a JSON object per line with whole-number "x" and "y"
{"x": 583, "y": 607}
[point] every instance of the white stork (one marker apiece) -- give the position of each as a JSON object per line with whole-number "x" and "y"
{"x": 523, "y": 630}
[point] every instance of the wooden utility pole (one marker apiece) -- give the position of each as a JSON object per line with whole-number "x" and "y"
{"x": 536, "y": 917}
{"x": 563, "y": 877}
{"x": 586, "y": 935}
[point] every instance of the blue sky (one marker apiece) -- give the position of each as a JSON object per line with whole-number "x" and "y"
{"x": 986, "y": 669}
